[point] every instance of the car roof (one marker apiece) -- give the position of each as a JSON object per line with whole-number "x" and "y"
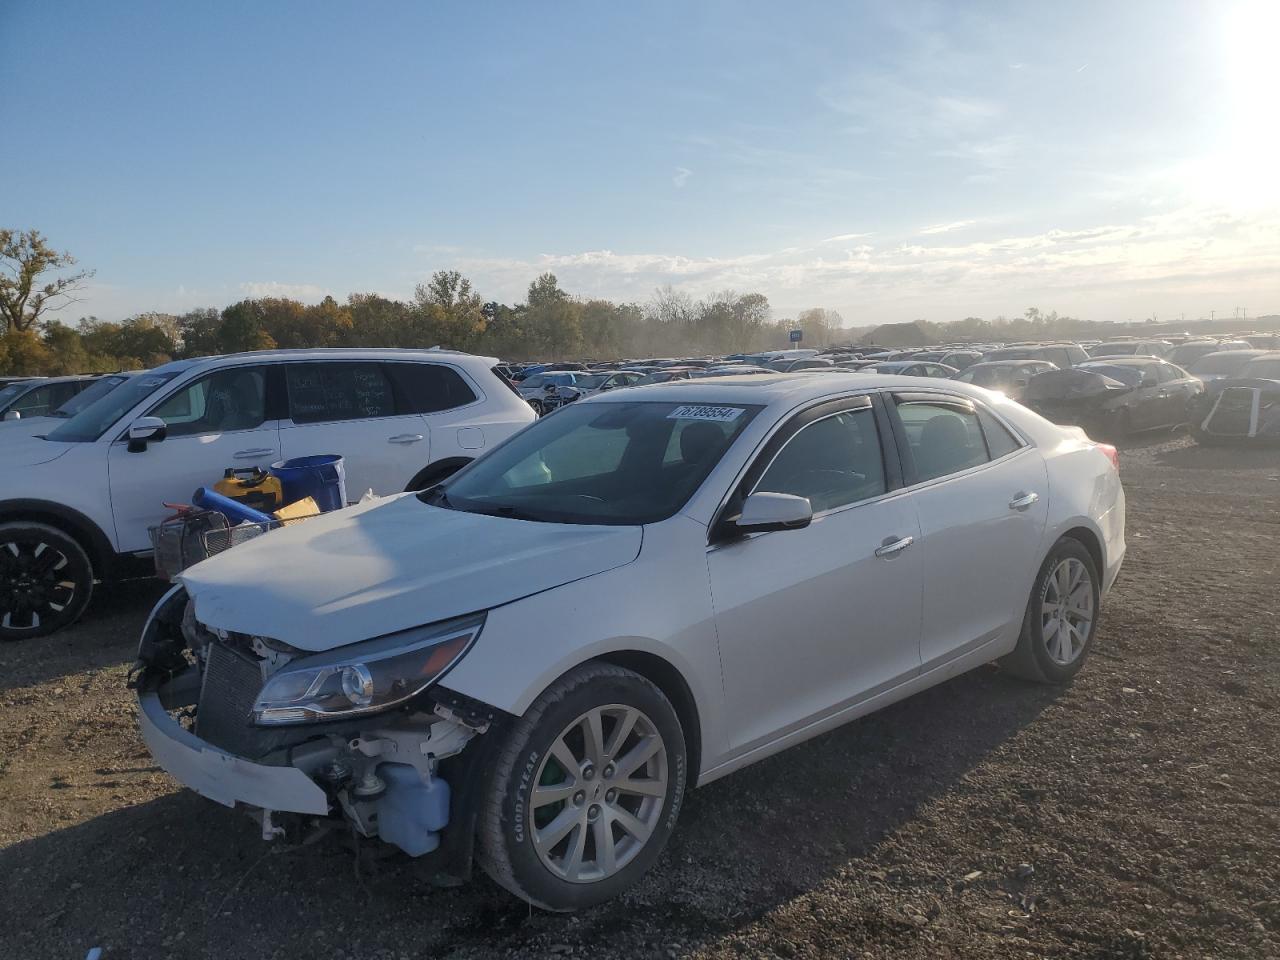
{"x": 783, "y": 389}
{"x": 1012, "y": 362}
{"x": 342, "y": 353}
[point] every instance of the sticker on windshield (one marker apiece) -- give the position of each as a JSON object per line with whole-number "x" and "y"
{"x": 700, "y": 411}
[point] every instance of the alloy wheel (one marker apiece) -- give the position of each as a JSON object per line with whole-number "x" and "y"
{"x": 599, "y": 793}
{"x": 35, "y": 586}
{"x": 1066, "y": 611}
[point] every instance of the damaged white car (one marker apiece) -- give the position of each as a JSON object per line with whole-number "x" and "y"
{"x": 528, "y": 664}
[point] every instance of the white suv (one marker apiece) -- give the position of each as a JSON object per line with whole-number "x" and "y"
{"x": 77, "y": 501}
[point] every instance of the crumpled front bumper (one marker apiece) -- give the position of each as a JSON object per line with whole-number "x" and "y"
{"x": 220, "y": 776}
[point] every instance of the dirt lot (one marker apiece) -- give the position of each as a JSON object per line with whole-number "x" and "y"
{"x": 1135, "y": 814}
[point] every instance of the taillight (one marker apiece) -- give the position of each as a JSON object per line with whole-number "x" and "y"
{"x": 1112, "y": 453}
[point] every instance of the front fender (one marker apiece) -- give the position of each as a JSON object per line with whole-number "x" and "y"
{"x": 660, "y": 607}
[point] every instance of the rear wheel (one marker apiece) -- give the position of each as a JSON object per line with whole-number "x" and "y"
{"x": 46, "y": 580}
{"x": 1061, "y": 617}
{"x": 586, "y": 790}
{"x": 538, "y": 408}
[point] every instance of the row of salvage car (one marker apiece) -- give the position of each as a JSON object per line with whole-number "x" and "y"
{"x": 1224, "y": 395}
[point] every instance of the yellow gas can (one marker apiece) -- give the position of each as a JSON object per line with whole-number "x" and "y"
{"x": 253, "y": 487}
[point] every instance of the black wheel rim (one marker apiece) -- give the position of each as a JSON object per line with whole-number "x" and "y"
{"x": 36, "y": 584}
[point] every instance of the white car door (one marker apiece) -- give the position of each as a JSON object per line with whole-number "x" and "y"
{"x": 981, "y": 496}
{"x": 214, "y": 422}
{"x": 351, "y": 408}
{"x": 812, "y": 620}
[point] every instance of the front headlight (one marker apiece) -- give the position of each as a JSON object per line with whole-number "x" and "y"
{"x": 366, "y": 677}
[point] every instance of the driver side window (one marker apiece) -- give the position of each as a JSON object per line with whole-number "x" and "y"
{"x": 222, "y": 402}
{"x": 832, "y": 462}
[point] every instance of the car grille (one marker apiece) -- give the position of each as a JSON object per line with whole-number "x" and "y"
{"x": 224, "y": 715}
{"x": 1233, "y": 412}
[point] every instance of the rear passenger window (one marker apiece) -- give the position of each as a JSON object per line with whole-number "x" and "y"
{"x": 430, "y": 387}
{"x": 832, "y": 462}
{"x": 1000, "y": 441}
{"x": 329, "y": 392}
{"x": 944, "y": 438}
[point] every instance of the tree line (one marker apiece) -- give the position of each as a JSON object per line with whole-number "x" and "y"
{"x": 550, "y": 324}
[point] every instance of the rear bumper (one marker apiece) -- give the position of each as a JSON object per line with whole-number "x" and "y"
{"x": 220, "y": 776}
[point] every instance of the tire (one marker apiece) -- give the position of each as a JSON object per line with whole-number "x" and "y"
{"x": 549, "y": 850}
{"x": 538, "y": 408}
{"x": 46, "y": 580}
{"x": 1040, "y": 654}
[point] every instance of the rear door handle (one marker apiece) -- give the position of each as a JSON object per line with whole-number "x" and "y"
{"x": 405, "y": 438}
{"x": 1023, "y": 500}
{"x": 254, "y": 454}
{"x": 892, "y": 547}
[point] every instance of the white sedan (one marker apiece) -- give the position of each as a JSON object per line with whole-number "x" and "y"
{"x": 528, "y": 664}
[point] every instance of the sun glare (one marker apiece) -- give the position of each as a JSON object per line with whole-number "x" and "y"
{"x": 1241, "y": 170}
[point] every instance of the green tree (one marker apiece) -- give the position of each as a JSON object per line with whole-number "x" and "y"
{"x": 449, "y": 312}
{"x": 25, "y": 259}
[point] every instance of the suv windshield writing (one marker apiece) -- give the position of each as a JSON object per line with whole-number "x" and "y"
{"x": 605, "y": 463}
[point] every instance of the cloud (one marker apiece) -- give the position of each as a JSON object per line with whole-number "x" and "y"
{"x": 1187, "y": 259}
{"x": 681, "y": 177}
{"x": 846, "y": 236}
{"x": 946, "y": 227}
{"x": 274, "y": 288}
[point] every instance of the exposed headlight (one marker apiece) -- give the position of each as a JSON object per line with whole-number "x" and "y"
{"x": 365, "y": 677}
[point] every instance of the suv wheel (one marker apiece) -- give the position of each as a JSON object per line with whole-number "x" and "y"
{"x": 46, "y": 580}
{"x": 1061, "y": 617}
{"x": 585, "y": 791}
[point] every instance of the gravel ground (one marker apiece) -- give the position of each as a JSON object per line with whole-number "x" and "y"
{"x": 1134, "y": 814}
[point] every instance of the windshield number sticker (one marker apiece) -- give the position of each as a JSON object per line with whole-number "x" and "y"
{"x": 705, "y": 412}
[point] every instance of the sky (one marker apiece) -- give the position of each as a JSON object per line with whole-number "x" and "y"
{"x": 892, "y": 161}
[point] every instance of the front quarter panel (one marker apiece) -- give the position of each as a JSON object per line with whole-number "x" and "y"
{"x": 659, "y": 604}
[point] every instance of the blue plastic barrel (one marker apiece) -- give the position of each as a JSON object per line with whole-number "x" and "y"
{"x": 322, "y": 477}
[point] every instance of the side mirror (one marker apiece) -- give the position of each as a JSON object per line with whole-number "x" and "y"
{"x": 145, "y": 430}
{"x": 12, "y": 415}
{"x": 764, "y": 512}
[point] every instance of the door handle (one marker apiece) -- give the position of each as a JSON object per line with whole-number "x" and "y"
{"x": 893, "y": 547}
{"x": 405, "y": 438}
{"x": 254, "y": 454}
{"x": 1023, "y": 500}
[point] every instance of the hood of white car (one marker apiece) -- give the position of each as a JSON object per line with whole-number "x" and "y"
{"x": 20, "y": 447}
{"x": 379, "y": 568}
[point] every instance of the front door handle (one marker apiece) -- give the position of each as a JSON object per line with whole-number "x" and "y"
{"x": 254, "y": 454}
{"x": 1023, "y": 500}
{"x": 892, "y": 547}
{"x": 405, "y": 438}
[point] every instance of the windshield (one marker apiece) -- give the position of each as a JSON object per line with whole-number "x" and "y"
{"x": 1220, "y": 363}
{"x": 1129, "y": 376}
{"x": 11, "y": 391}
{"x": 590, "y": 381}
{"x": 94, "y": 420}
{"x": 987, "y": 376}
{"x": 91, "y": 393}
{"x": 1113, "y": 349}
{"x": 618, "y": 463}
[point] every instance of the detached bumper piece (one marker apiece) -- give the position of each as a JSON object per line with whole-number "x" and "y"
{"x": 219, "y": 775}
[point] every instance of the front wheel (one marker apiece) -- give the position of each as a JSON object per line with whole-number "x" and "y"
{"x": 1061, "y": 617}
{"x": 46, "y": 579}
{"x": 538, "y": 408}
{"x": 586, "y": 790}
